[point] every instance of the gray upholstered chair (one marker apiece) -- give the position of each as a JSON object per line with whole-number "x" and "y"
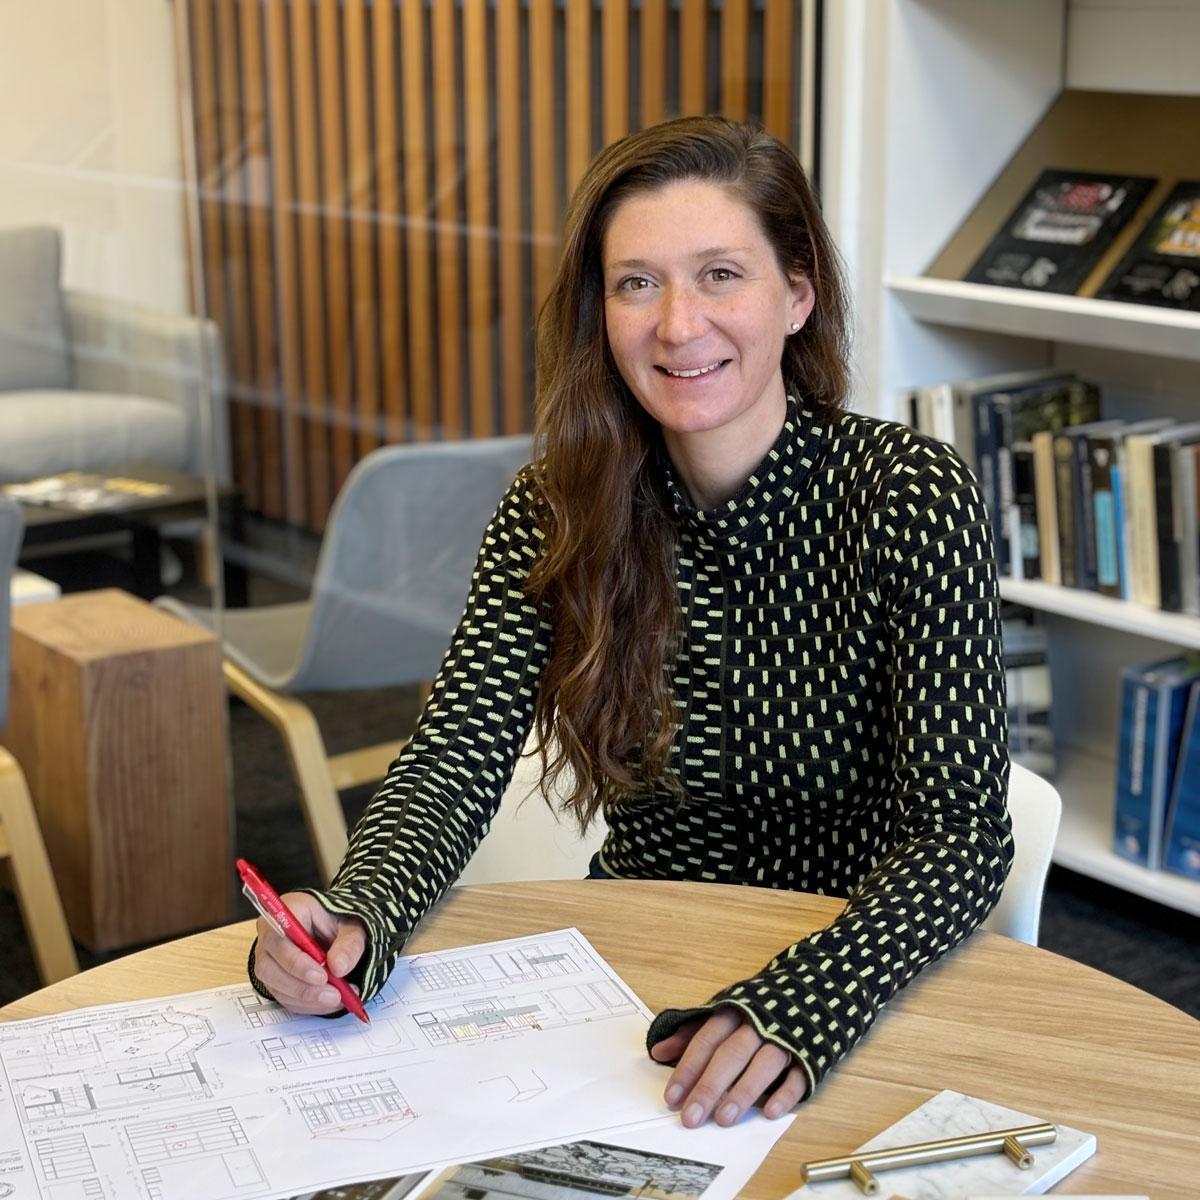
{"x": 391, "y": 579}
{"x": 89, "y": 383}
{"x": 21, "y": 842}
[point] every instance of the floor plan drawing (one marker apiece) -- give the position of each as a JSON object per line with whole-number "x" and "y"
{"x": 372, "y": 1108}
{"x": 222, "y": 1095}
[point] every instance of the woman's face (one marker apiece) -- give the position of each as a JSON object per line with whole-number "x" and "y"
{"x": 697, "y": 309}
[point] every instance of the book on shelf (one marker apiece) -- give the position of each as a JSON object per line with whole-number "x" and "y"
{"x": 992, "y": 401}
{"x": 1021, "y": 415}
{"x": 1181, "y": 838}
{"x": 1175, "y": 518}
{"x": 1154, "y": 700}
{"x": 1142, "y": 492}
{"x": 1162, "y": 266}
{"x": 1073, "y": 496}
{"x": 1060, "y": 230}
{"x": 1109, "y": 503}
{"x": 1025, "y": 657}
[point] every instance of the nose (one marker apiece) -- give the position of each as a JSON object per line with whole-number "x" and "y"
{"x": 681, "y": 318}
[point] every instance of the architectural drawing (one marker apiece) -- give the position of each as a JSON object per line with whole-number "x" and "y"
{"x": 221, "y": 1095}
{"x": 373, "y": 1108}
{"x": 536, "y": 961}
{"x": 519, "y": 1086}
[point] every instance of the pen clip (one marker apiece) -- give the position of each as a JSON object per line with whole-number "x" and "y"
{"x": 267, "y": 916}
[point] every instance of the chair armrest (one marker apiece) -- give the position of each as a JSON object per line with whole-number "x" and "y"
{"x": 130, "y": 349}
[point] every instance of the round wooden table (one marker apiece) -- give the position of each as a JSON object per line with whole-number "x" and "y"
{"x": 996, "y": 1019}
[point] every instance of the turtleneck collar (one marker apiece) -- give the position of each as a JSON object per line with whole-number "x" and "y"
{"x": 771, "y": 484}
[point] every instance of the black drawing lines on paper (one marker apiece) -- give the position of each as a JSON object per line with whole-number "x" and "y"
{"x": 79, "y": 1067}
{"x": 185, "y": 1135}
{"x": 64, "y": 1156}
{"x": 527, "y": 1085}
{"x": 197, "y": 1153}
{"x": 340, "y": 1044}
{"x": 258, "y": 1011}
{"x": 535, "y": 962}
{"x": 483, "y": 1018}
{"x": 371, "y": 1109}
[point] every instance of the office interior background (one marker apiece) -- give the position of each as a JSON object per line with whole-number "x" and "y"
{"x": 335, "y": 221}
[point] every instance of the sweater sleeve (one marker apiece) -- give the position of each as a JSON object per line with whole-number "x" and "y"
{"x": 440, "y": 795}
{"x": 929, "y": 544}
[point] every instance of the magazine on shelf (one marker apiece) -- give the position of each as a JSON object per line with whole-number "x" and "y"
{"x": 83, "y": 491}
{"x": 1163, "y": 266}
{"x": 1154, "y": 700}
{"x": 1060, "y": 230}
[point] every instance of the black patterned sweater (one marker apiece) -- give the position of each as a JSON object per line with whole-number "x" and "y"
{"x": 842, "y": 727}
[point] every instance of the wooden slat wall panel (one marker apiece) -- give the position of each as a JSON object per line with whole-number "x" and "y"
{"x": 735, "y": 49}
{"x": 335, "y": 238}
{"x": 360, "y": 170}
{"x": 383, "y": 190}
{"x": 693, "y": 57}
{"x": 312, "y": 275}
{"x": 263, "y": 383}
{"x": 778, "y": 42}
{"x": 448, "y": 220}
{"x": 509, "y": 145}
{"x": 279, "y": 109}
{"x": 387, "y": 204}
{"x": 654, "y": 56}
{"x": 416, "y": 189}
{"x": 477, "y": 171}
{"x": 579, "y": 89}
{"x": 239, "y": 331}
{"x": 543, "y": 146}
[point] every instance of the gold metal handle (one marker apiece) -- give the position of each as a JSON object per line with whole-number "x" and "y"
{"x": 859, "y": 1167}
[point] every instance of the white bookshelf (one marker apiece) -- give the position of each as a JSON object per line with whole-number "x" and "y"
{"x": 1137, "y": 328}
{"x": 1084, "y": 843}
{"x": 927, "y": 102}
{"x": 1104, "y": 611}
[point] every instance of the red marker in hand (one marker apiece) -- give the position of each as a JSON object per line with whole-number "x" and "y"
{"x": 285, "y": 923}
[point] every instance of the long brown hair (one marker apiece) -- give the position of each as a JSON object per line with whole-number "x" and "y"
{"x": 605, "y": 576}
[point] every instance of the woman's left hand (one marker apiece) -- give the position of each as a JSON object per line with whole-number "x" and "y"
{"x": 725, "y": 1067}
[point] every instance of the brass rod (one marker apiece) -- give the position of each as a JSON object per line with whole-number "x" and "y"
{"x": 1018, "y": 1153}
{"x": 926, "y": 1152}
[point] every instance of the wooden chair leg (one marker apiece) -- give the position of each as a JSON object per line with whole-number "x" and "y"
{"x": 306, "y": 751}
{"x": 33, "y": 882}
{"x": 371, "y": 762}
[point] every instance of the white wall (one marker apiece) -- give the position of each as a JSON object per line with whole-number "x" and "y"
{"x": 90, "y": 141}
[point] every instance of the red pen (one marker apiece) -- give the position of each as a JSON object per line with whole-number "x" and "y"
{"x": 263, "y": 896}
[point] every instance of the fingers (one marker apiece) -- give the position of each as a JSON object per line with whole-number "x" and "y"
{"x": 725, "y": 1068}
{"x": 348, "y": 946}
{"x": 297, "y": 981}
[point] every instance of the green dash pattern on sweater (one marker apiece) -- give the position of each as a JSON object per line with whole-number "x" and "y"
{"x": 841, "y": 726}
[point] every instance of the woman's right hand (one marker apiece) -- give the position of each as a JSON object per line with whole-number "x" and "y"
{"x": 297, "y": 981}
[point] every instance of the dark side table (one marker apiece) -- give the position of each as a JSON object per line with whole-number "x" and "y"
{"x": 144, "y": 518}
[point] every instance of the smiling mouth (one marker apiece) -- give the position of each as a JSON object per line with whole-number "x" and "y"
{"x": 694, "y": 372}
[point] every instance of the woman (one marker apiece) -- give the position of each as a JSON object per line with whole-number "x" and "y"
{"x": 759, "y": 633}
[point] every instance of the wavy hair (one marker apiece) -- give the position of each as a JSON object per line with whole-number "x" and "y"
{"x": 605, "y": 712}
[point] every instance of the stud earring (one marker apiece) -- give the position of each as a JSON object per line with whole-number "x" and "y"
{"x": 795, "y": 326}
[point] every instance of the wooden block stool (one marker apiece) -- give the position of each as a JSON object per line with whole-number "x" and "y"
{"x": 118, "y": 721}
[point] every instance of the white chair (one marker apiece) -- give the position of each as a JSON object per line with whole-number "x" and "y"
{"x": 1035, "y": 808}
{"x": 527, "y": 840}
